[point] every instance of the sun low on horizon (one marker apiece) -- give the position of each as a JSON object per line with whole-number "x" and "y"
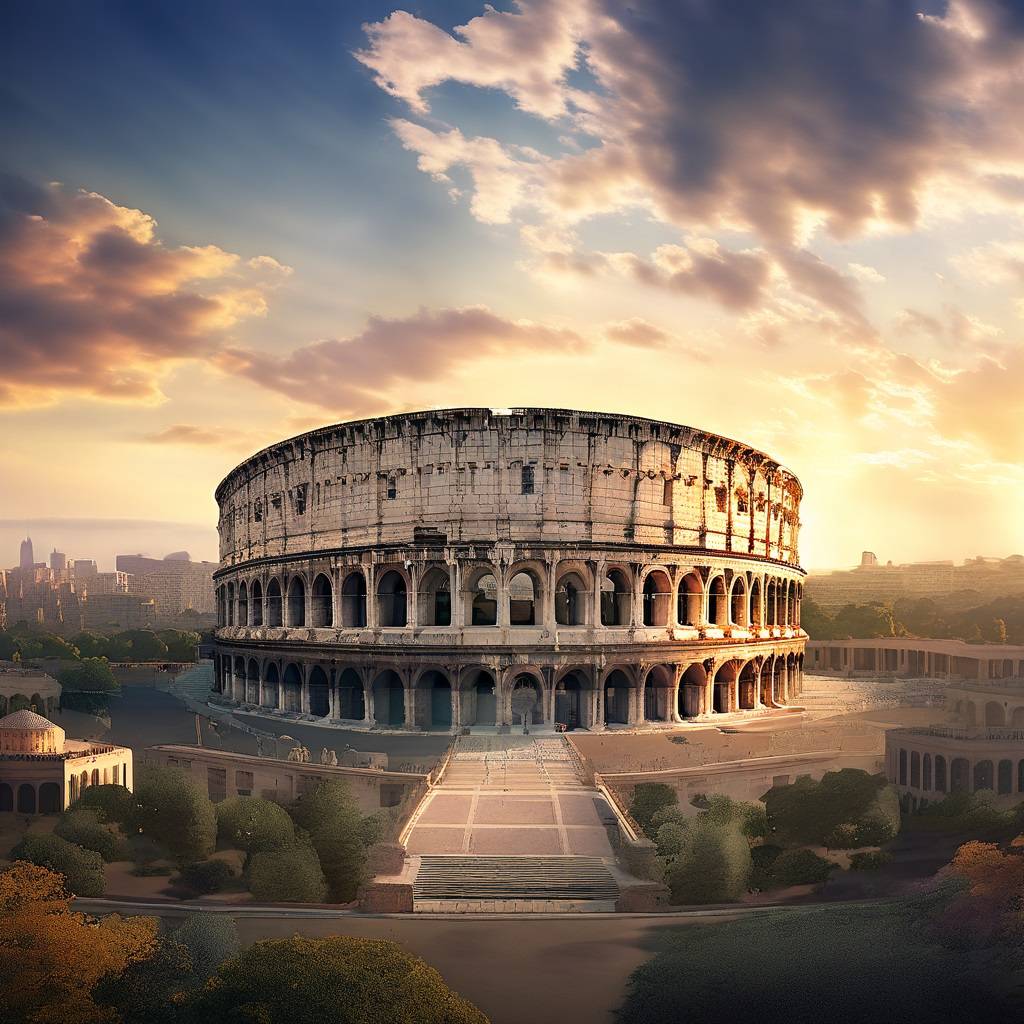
{"x": 796, "y": 224}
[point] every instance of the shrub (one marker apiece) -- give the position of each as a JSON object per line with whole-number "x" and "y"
{"x": 287, "y": 876}
{"x": 341, "y": 979}
{"x": 799, "y": 867}
{"x": 762, "y": 858}
{"x": 210, "y": 939}
{"x": 204, "y": 876}
{"x": 172, "y": 810}
{"x": 648, "y": 799}
{"x": 965, "y": 812}
{"x": 843, "y": 837}
{"x": 83, "y": 869}
{"x": 254, "y": 825}
{"x": 869, "y": 860}
{"x": 83, "y": 829}
{"x": 713, "y": 864}
{"x": 111, "y": 804}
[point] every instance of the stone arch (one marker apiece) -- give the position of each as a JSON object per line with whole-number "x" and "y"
{"x": 252, "y": 682}
{"x": 573, "y": 697}
{"x": 292, "y": 688}
{"x": 926, "y": 773}
{"x": 480, "y": 596}
{"x": 690, "y": 600}
{"x": 255, "y": 603}
{"x": 724, "y": 689}
{"x": 238, "y": 678}
{"x": 296, "y": 612}
{"x": 783, "y": 598}
{"x": 27, "y": 798}
{"x": 321, "y": 605}
{"x": 718, "y": 604}
{"x": 616, "y": 597}
{"x": 692, "y": 687}
{"x": 779, "y": 680}
{"x": 243, "y": 604}
{"x": 903, "y": 768}
{"x": 1004, "y": 777}
{"x": 618, "y": 694}
{"x": 573, "y": 596}
{"x": 994, "y": 713}
{"x": 270, "y": 696}
{"x": 771, "y": 592}
{"x": 275, "y": 603}
{"x": 353, "y": 600}
{"x": 940, "y": 774}
{"x": 49, "y": 798}
{"x": 915, "y": 769}
{"x": 525, "y": 595}
{"x": 960, "y": 775}
{"x": 658, "y": 693}
{"x": 738, "y": 602}
{"x": 434, "y": 597}
{"x": 319, "y": 693}
{"x": 351, "y": 696}
{"x": 388, "y": 698}
{"x": 983, "y": 775}
{"x": 656, "y": 597}
{"x": 478, "y": 693}
{"x": 526, "y": 698}
{"x": 756, "y": 604}
{"x": 392, "y": 599}
{"x": 433, "y": 707}
{"x": 7, "y": 797}
{"x": 746, "y": 683}
{"x": 231, "y": 612}
{"x": 767, "y": 675}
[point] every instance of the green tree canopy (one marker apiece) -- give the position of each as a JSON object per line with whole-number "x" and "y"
{"x": 712, "y": 863}
{"x": 82, "y": 869}
{"x": 253, "y": 824}
{"x": 339, "y": 979}
{"x": 287, "y": 876}
{"x": 174, "y": 812}
{"x": 648, "y": 799}
{"x": 90, "y": 675}
{"x": 112, "y": 804}
{"x": 83, "y": 828}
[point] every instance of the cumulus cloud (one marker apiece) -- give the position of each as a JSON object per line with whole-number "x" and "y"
{"x": 353, "y": 376}
{"x": 93, "y": 303}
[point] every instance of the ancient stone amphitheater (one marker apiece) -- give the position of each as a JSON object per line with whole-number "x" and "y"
{"x": 477, "y": 567}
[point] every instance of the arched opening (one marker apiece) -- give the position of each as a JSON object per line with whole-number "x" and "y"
{"x": 482, "y": 603}
{"x": 243, "y": 604}
{"x": 1020, "y": 776}
{"x": 983, "y": 775}
{"x": 569, "y": 692}
{"x": 724, "y": 688}
{"x": 238, "y": 690}
{"x": 434, "y": 709}
{"x": 19, "y": 702}
{"x": 83, "y": 781}
{"x": 319, "y": 693}
{"x": 231, "y": 616}
{"x": 756, "y": 609}
{"x": 351, "y": 698}
{"x": 657, "y": 598}
{"x": 791, "y": 605}
{"x": 915, "y": 770}
{"x": 617, "y": 689}
{"x": 994, "y": 714}
{"x": 7, "y": 797}
{"x": 960, "y": 775}
{"x": 269, "y": 695}
{"x": 522, "y": 600}
{"x": 779, "y": 681}
{"x": 657, "y": 694}
{"x": 926, "y": 773}
{"x": 274, "y": 609}
{"x": 296, "y": 602}
{"x": 49, "y": 798}
{"x": 691, "y": 691}
{"x": 747, "y": 684}
{"x": 1018, "y": 718}
{"x": 903, "y": 768}
{"x": 690, "y": 599}
{"x": 738, "y": 602}
{"x": 256, "y": 604}
{"x": 35, "y": 703}
{"x": 27, "y": 798}
{"x": 767, "y": 675}
{"x": 616, "y": 599}
{"x": 3, "y": 705}
{"x": 718, "y": 607}
{"x": 222, "y": 617}
{"x": 783, "y": 599}
{"x": 252, "y": 682}
{"x": 434, "y": 603}
{"x": 771, "y": 604}
{"x": 479, "y": 699}
{"x": 353, "y": 601}
{"x": 322, "y": 604}
{"x": 527, "y": 700}
{"x": 391, "y": 600}
{"x": 1005, "y": 778}
{"x": 388, "y": 699}
{"x": 571, "y": 601}
{"x": 292, "y": 689}
{"x": 940, "y": 774}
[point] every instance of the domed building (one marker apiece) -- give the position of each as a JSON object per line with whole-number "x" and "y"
{"x": 480, "y": 568}
{"x": 43, "y": 772}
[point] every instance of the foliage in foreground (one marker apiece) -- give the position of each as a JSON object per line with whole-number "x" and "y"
{"x": 293, "y": 875}
{"x": 82, "y": 869}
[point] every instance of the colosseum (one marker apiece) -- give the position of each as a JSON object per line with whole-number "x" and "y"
{"x": 490, "y": 569}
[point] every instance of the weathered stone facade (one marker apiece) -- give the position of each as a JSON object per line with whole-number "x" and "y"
{"x": 466, "y": 567}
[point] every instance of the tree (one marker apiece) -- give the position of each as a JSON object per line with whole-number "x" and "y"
{"x": 150, "y": 990}
{"x": 112, "y": 804}
{"x": 254, "y": 825}
{"x": 648, "y": 799}
{"x": 210, "y": 939}
{"x": 799, "y": 867}
{"x": 181, "y": 643}
{"x": 83, "y": 828}
{"x": 8, "y": 646}
{"x": 82, "y": 869}
{"x": 205, "y": 876}
{"x": 91, "y": 645}
{"x": 815, "y": 621}
{"x": 51, "y": 958}
{"x": 174, "y": 812}
{"x": 90, "y": 675}
{"x": 143, "y": 644}
{"x": 336, "y": 828}
{"x": 287, "y": 876}
{"x": 341, "y": 979}
{"x": 712, "y": 865}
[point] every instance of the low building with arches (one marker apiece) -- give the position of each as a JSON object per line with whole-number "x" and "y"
{"x": 23, "y": 687}
{"x": 43, "y": 772}
{"x": 476, "y": 568}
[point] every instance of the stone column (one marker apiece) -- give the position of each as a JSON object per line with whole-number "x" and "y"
{"x": 370, "y": 575}
{"x": 455, "y": 586}
{"x": 673, "y": 711}
{"x": 409, "y": 696}
{"x": 549, "y": 597}
{"x": 368, "y": 709}
{"x": 455, "y": 678}
{"x": 502, "y": 597}
{"x": 412, "y": 599}
{"x": 598, "y": 723}
{"x": 595, "y": 607}
{"x": 280, "y": 689}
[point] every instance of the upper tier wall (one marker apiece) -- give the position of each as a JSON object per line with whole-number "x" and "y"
{"x": 465, "y": 475}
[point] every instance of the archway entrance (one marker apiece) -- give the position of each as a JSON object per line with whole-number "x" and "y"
{"x": 388, "y": 699}
{"x": 351, "y": 699}
{"x": 319, "y": 693}
{"x": 725, "y": 681}
{"x": 479, "y": 699}
{"x": 747, "y": 687}
{"x": 527, "y": 701}
{"x": 568, "y": 701}
{"x": 6, "y": 797}
{"x": 26, "y": 799}
{"x": 617, "y": 688}
{"x": 292, "y": 689}
{"x": 691, "y": 691}
{"x": 435, "y": 702}
{"x": 657, "y": 691}
{"x": 49, "y": 798}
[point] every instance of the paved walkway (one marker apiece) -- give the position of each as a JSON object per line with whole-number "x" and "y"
{"x": 512, "y": 795}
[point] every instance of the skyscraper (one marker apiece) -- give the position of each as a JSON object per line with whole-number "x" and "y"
{"x": 58, "y": 560}
{"x": 27, "y": 560}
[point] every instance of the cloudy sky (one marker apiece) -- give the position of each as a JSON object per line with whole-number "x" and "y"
{"x": 796, "y": 223}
